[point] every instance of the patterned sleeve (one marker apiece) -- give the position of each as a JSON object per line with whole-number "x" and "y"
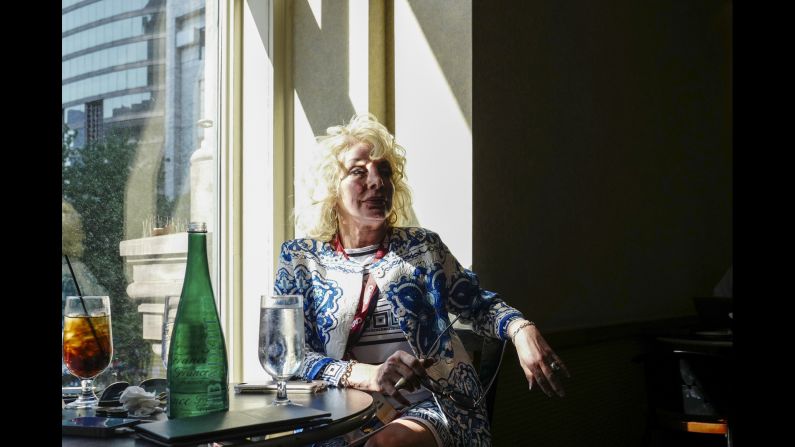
{"x": 485, "y": 310}
{"x": 295, "y": 278}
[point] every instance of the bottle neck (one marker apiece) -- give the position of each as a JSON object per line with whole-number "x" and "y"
{"x": 197, "y": 255}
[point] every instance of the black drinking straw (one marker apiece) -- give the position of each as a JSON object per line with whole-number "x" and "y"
{"x": 80, "y": 295}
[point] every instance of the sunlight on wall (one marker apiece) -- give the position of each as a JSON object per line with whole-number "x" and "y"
{"x": 257, "y": 262}
{"x": 431, "y": 126}
{"x": 317, "y": 11}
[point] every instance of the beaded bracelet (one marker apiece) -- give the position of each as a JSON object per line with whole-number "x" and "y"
{"x": 347, "y": 374}
{"x": 521, "y": 326}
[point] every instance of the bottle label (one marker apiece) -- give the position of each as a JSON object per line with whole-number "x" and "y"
{"x": 194, "y": 404}
{"x": 197, "y": 372}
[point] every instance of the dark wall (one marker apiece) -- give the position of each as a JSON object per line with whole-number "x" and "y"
{"x": 602, "y": 156}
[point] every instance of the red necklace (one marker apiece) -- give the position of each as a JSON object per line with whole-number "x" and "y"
{"x": 368, "y": 292}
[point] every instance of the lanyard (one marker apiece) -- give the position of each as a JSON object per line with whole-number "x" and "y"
{"x": 366, "y": 297}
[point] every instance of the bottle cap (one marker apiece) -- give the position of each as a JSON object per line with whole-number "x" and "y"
{"x": 197, "y": 227}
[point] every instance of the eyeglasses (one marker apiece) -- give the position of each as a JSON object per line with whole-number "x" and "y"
{"x": 449, "y": 390}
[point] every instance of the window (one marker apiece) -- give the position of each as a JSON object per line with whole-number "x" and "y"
{"x": 169, "y": 110}
{"x": 131, "y": 142}
{"x": 94, "y": 118}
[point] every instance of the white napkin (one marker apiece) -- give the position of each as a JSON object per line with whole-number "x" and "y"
{"x": 138, "y": 402}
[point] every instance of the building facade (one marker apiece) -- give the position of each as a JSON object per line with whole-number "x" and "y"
{"x": 136, "y": 66}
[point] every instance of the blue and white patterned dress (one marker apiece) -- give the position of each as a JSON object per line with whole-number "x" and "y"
{"x": 422, "y": 281}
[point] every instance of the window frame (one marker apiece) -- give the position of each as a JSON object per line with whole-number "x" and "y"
{"x": 254, "y": 208}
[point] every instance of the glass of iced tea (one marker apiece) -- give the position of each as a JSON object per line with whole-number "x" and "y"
{"x": 87, "y": 343}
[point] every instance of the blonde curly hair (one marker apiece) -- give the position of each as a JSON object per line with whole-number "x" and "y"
{"x": 319, "y": 219}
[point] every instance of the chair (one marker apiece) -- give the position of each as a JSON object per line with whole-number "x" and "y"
{"x": 490, "y": 361}
{"x": 486, "y": 354}
{"x": 688, "y": 390}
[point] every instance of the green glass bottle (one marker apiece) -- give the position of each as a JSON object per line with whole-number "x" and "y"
{"x": 197, "y": 368}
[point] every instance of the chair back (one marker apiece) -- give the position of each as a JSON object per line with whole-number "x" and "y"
{"x": 486, "y": 354}
{"x": 490, "y": 360}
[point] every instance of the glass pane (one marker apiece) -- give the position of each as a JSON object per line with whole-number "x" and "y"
{"x": 128, "y": 139}
{"x": 102, "y": 9}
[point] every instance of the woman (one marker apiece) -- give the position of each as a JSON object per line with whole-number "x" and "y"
{"x": 377, "y": 296}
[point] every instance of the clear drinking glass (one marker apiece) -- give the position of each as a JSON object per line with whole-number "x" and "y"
{"x": 169, "y": 314}
{"x": 281, "y": 340}
{"x": 87, "y": 343}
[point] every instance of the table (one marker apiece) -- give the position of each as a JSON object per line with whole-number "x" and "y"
{"x": 349, "y": 409}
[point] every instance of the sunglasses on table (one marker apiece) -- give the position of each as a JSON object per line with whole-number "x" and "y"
{"x": 111, "y": 394}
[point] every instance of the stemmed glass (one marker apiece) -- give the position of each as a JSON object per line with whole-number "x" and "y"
{"x": 87, "y": 343}
{"x": 281, "y": 340}
{"x": 169, "y": 314}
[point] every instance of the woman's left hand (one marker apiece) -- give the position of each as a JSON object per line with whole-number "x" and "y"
{"x": 539, "y": 362}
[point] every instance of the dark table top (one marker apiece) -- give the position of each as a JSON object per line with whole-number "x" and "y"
{"x": 349, "y": 409}
{"x": 693, "y": 338}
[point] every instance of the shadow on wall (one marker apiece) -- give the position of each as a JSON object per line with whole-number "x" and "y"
{"x": 320, "y": 58}
{"x": 450, "y": 53}
{"x": 320, "y": 65}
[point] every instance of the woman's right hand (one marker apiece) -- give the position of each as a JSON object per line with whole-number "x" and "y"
{"x": 382, "y": 378}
